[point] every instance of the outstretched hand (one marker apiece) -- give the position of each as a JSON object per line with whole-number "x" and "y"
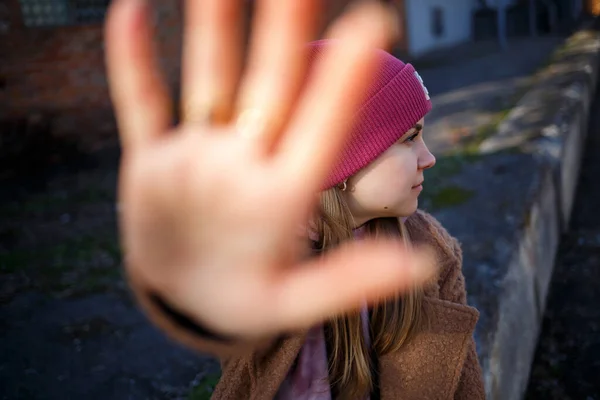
{"x": 211, "y": 208}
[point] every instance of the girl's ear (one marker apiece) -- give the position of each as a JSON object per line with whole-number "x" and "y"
{"x": 313, "y": 234}
{"x": 306, "y": 237}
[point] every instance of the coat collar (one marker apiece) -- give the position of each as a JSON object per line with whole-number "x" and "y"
{"x": 427, "y": 368}
{"x": 431, "y": 365}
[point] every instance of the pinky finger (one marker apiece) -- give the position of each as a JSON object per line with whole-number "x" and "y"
{"x": 139, "y": 94}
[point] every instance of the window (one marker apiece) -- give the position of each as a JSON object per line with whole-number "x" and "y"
{"x": 87, "y": 11}
{"x": 43, "y": 13}
{"x": 4, "y": 18}
{"x": 437, "y": 22}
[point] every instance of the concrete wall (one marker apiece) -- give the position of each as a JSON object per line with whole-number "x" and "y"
{"x": 457, "y": 16}
{"x": 548, "y": 126}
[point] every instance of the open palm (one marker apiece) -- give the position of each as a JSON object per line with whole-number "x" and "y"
{"x": 211, "y": 208}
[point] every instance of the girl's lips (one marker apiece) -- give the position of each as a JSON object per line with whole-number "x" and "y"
{"x": 418, "y": 188}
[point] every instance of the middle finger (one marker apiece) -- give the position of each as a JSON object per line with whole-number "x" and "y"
{"x": 276, "y": 65}
{"x": 212, "y": 59}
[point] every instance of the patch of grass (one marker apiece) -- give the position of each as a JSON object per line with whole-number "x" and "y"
{"x": 34, "y": 205}
{"x": 94, "y": 195}
{"x": 437, "y": 192}
{"x": 77, "y": 250}
{"x": 9, "y": 235}
{"x": 204, "y": 389}
{"x": 483, "y": 132}
{"x": 95, "y": 280}
{"x": 87, "y": 246}
{"x": 81, "y": 265}
{"x": 448, "y": 166}
{"x": 41, "y": 204}
{"x": 13, "y": 261}
{"x": 450, "y": 196}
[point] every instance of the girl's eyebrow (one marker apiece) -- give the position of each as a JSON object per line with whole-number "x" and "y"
{"x": 415, "y": 129}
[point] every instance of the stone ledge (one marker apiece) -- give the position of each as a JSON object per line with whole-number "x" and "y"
{"x": 523, "y": 185}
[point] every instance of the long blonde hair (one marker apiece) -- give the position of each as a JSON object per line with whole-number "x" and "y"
{"x": 393, "y": 323}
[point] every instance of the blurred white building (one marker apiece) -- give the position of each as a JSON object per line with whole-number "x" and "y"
{"x": 434, "y": 24}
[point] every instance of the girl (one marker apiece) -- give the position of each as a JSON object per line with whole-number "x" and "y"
{"x": 209, "y": 211}
{"x": 415, "y": 346}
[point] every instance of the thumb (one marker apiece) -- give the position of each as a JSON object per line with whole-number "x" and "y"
{"x": 341, "y": 281}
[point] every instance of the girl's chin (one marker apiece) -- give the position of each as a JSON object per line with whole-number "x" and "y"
{"x": 411, "y": 210}
{"x": 407, "y": 210}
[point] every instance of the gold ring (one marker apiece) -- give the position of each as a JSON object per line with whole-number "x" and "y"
{"x": 203, "y": 115}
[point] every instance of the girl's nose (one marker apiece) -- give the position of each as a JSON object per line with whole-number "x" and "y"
{"x": 426, "y": 159}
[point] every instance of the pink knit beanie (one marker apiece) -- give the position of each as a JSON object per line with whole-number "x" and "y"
{"x": 396, "y": 100}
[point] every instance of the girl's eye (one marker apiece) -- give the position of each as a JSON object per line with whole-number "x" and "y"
{"x": 412, "y": 138}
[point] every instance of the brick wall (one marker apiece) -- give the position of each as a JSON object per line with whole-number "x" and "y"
{"x": 59, "y": 72}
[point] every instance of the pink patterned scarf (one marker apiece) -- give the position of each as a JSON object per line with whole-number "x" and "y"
{"x": 309, "y": 380}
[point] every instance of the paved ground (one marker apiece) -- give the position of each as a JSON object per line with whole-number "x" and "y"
{"x": 68, "y": 329}
{"x": 567, "y": 362}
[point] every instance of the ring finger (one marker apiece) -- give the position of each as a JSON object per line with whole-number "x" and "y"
{"x": 276, "y": 66}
